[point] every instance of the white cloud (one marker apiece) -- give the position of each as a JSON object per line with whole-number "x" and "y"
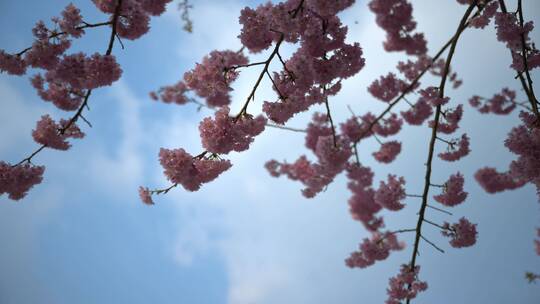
{"x": 18, "y": 118}
{"x": 124, "y": 168}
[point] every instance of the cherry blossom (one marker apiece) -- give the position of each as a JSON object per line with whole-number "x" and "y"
{"x": 405, "y": 285}
{"x": 462, "y": 233}
{"x": 453, "y": 193}
{"x": 388, "y": 152}
{"x": 376, "y": 248}
{"x": 16, "y": 181}
{"x": 390, "y": 194}
{"x": 453, "y": 154}
{"x": 54, "y": 135}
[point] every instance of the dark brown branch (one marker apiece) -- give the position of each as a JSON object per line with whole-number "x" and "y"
{"x": 409, "y": 88}
{"x": 281, "y": 96}
{"x": 251, "y": 95}
{"x": 329, "y": 118}
{"x": 84, "y": 104}
{"x": 163, "y": 191}
{"x": 532, "y": 97}
{"x": 57, "y": 34}
{"x": 357, "y": 158}
{"x": 526, "y": 84}
{"x": 431, "y": 150}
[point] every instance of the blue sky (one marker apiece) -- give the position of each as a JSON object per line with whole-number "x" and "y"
{"x": 83, "y": 236}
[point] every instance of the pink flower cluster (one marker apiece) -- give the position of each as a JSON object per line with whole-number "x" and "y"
{"x": 322, "y": 60}
{"x": 453, "y": 193}
{"x": 492, "y": 181}
{"x": 224, "y": 134}
{"x": 376, "y": 248}
{"x": 210, "y": 79}
{"x": 60, "y": 94}
{"x": 134, "y": 18}
{"x": 172, "y": 94}
{"x": 54, "y": 135}
{"x": 362, "y": 204}
{"x": 463, "y": 233}
{"x": 315, "y": 176}
{"x": 390, "y": 194}
{"x": 309, "y": 77}
{"x": 387, "y": 87}
{"x": 388, "y": 126}
{"x": 388, "y": 152}
{"x": 79, "y": 71}
{"x": 15, "y": 181}
{"x": 431, "y": 95}
{"x": 71, "y": 19}
{"x": 395, "y": 17}
{"x": 12, "y": 64}
{"x": 419, "y": 113}
{"x": 353, "y": 130}
{"x": 511, "y": 33}
{"x": 452, "y": 117}
{"x": 294, "y": 19}
{"x": 319, "y": 126}
{"x": 502, "y": 103}
{"x": 485, "y": 17}
{"x": 182, "y": 168}
{"x": 405, "y": 285}
{"x": 145, "y": 196}
{"x": 524, "y": 141}
{"x": 69, "y": 79}
{"x": 332, "y": 157}
{"x": 453, "y": 154}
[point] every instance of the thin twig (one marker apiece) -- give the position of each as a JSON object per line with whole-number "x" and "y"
{"x": 285, "y": 128}
{"x": 432, "y": 244}
{"x": 439, "y": 209}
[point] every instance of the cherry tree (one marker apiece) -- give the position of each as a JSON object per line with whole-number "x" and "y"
{"x": 307, "y": 80}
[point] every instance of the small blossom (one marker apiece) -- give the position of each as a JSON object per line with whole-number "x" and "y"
{"x": 405, "y": 285}
{"x": 487, "y": 14}
{"x": 388, "y": 126}
{"x": 453, "y": 193}
{"x": 48, "y": 133}
{"x": 391, "y": 193}
{"x": 431, "y": 95}
{"x": 376, "y": 248}
{"x": 15, "y": 181}
{"x": 463, "y": 233}
{"x": 211, "y": 78}
{"x": 454, "y": 154}
{"x": 362, "y": 204}
{"x": 182, "y": 168}
{"x": 502, "y": 103}
{"x": 452, "y": 117}
{"x": 395, "y": 17}
{"x": 146, "y": 196}
{"x": 224, "y": 134}
{"x": 387, "y": 87}
{"x": 418, "y": 113}
{"x": 71, "y": 19}
{"x": 492, "y": 181}
{"x": 172, "y": 94}
{"x": 12, "y": 64}
{"x": 388, "y": 152}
